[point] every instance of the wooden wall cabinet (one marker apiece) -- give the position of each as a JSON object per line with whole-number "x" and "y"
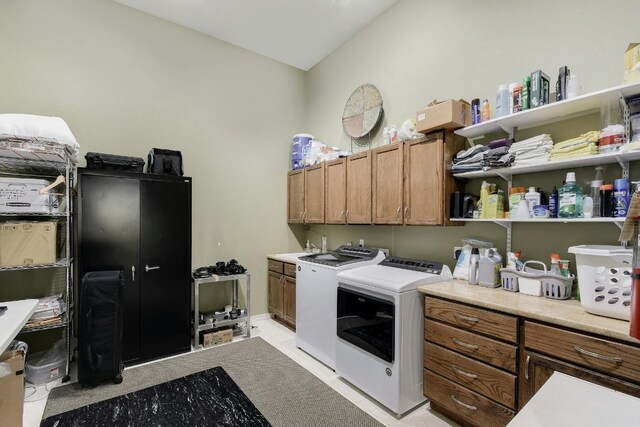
{"x": 305, "y": 195}
{"x": 359, "y": 188}
{"x": 387, "y": 184}
{"x": 336, "y": 192}
{"x": 282, "y": 291}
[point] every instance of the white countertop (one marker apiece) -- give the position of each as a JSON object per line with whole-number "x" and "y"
{"x": 568, "y": 313}
{"x": 290, "y": 258}
{"x": 568, "y": 401}
{"x": 14, "y": 319}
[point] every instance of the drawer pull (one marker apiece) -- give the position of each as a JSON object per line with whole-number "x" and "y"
{"x": 526, "y": 367}
{"x": 612, "y": 359}
{"x": 466, "y": 318}
{"x": 461, "y": 372}
{"x": 464, "y": 344}
{"x": 464, "y": 405}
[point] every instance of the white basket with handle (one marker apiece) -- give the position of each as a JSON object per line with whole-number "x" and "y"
{"x": 531, "y": 281}
{"x": 604, "y": 279}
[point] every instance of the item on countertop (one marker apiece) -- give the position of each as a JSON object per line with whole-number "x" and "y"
{"x": 555, "y": 264}
{"x": 564, "y": 265}
{"x": 621, "y": 197}
{"x": 541, "y": 212}
{"x": 553, "y": 203}
{"x": 611, "y": 138}
{"x": 449, "y": 114}
{"x": 407, "y": 131}
{"x": 527, "y": 280}
{"x": 308, "y": 247}
{"x": 570, "y": 198}
{"x": 299, "y": 147}
{"x": 561, "y": 83}
{"x": 502, "y": 101}
{"x": 539, "y": 89}
{"x": 485, "y": 113}
{"x": 324, "y": 244}
{"x": 114, "y": 162}
{"x": 583, "y": 145}
{"x": 475, "y": 111}
{"x": 165, "y": 162}
{"x": 489, "y": 269}
{"x": 587, "y": 207}
{"x": 533, "y": 199}
{"x": 526, "y": 93}
{"x": 513, "y": 260}
{"x": 605, "y": 279}
{"x": 517, "y": 98}
{"x": 473, "y": 266}
{"x": 461, "y": 269}
{"x": 386, "y": 139}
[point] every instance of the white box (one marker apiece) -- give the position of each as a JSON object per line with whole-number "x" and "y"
{"x": 23, "y": 195}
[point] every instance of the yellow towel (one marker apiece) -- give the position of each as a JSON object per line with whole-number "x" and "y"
{"x": 585, "y": 151}
{"x": 592, "y": 136}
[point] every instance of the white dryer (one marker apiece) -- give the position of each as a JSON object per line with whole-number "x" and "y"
{"x": 316, "y": 296}
{"x": 380, "y": 323}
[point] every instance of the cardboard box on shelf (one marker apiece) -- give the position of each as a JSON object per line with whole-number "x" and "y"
{"x": 27, "y": 243}
{"x": 209, "y": 339}
{"x": 631, "y": 63}
{"x": 11, "y": 387}
{"x": 23, "y": 195}
{"x": 450, "y": 114}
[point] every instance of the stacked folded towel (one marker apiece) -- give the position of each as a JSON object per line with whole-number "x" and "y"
{"x": 584, "y": 145}
{"x": 469, "y": 160}
{"x": 497, "y": 158}
{"x": 532, "y": 151}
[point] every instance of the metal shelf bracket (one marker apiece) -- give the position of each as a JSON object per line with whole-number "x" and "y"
{"x": 624, "y": 164}
{"x": 507, "y": 129}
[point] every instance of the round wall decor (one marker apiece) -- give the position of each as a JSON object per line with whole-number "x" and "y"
{"x": 363, "y": 111}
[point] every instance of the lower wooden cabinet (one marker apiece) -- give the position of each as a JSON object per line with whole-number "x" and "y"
{"x": 282, "y": 291}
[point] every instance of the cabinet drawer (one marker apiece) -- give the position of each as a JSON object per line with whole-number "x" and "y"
{"x": 473, "y": 319}
{"x": 290, "y": 270}
{"x": 478, "y": 347}
{"x": 276, "y": 266}
{"x": 477, "y": 376}
{"x": 463, "y": 402}
{"x": 595, "y": 353}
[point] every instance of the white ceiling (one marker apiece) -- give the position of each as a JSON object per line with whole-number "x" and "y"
{"x": 297, "y": 32}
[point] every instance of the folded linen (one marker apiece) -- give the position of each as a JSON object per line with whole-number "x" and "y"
{"x": 590, "y": 149}
{"x": 29, "y": 126}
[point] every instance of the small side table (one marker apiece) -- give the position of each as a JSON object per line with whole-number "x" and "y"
{"x": 244, "y": 319}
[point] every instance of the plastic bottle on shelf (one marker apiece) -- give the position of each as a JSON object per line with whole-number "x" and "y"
{"x": 502, "y": 101}
{"x": 570, "y": 198}
{"x": 533, "y": 199}
{"x": 595, "y": 192}
{"x": 553, "y": 203}
{"x": 485, "y": 111}
{"x": 621, "y": 197}
{"x": 587, "y": 207}
{"x": 512, "y": 86}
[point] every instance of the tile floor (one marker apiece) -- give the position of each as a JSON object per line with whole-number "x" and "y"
{"x": 284, "y": 340}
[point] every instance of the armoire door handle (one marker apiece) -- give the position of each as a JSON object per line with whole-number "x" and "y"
{"x": 148, "y": 269}
{"x": 133, "y": 273}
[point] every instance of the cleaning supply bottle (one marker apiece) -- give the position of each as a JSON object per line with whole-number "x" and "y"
{"x": 473, "y": 266}
{"x": 386, "y": 139}
{"x": 485, "y": 111}
{"x": 308, "y": 248}
{"x": 595, "y": 191}
{"x": 570, "y": 198}
{"x": 553, "y": 203}
{"x": 502, "y": 101}
{"x": 489, "y": 269}
{"x": 621, "y": 197}
{"x": 555, "y": 264}
{"x": 533, "y": 199}
{"x": 393, "y": 134}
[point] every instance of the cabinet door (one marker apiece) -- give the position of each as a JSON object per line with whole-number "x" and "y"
{"x": 424, "y": 181}
{"x": 537, "y": 369}
{"x": 387, "y": 184}
{"x": 165, "y": 261}
{"x": 295, "y": 196}
{"x": 359, "y": 188}
{"x": 109, "y": 239}
{"x": 336, "y": 191}
{"x": 275, "y": 293}
{"x": 289, "y": 305}
{"x": 314, "y": 195}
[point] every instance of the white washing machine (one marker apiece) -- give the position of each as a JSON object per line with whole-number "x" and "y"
{"x": 380, "y": 323}
{"x": 316, "y": 296}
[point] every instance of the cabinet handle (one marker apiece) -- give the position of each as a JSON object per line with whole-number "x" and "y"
{"x": 148, "y": 269}
{"x": 464, "y": 405}
{"x": 300, "y": 215}
{"x": 467, "y": 318}
{"x": 398, "y": 213}
{"x": 406, "y": 212}
{"x": 133, "y": 273}
{"x": 464, "y": 344}
{"x": 461, "y": 372}
{"x": 342, "y": 215}
{"x": 346, "y": 216}
{"x": 526, "y": 367}
{"x": 304, "y": 215}
{"x": 612, "y": 359}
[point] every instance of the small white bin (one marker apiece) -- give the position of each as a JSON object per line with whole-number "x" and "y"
{"x": 604, "y": 279}
{"x": 47, "y": 365}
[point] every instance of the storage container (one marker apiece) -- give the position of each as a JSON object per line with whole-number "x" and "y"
{"x": 47, "y": 365}
{"x": 27, "y": 243}
{"x": 535, "y": 282}
{"x": 604, "y": 279}
{"x": 23, "y": 195}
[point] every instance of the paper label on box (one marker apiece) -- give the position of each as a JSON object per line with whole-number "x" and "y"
{"x": 53, "y": 373}
{"x": 421, "y": 117}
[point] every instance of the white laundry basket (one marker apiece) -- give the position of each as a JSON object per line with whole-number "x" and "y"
{"x": 604, "y": 278}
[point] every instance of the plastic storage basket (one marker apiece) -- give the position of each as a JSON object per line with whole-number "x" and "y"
{"x": 47, "y": 365}
{"x": 552, "y": 285}
{"x": 604, "y": 279}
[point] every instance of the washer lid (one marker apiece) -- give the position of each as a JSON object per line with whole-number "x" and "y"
{"x": 391, "y": 278}
{"x": 603, "y": 250}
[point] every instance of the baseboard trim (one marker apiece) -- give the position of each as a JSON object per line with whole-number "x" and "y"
{"x": 259, "y": 317}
